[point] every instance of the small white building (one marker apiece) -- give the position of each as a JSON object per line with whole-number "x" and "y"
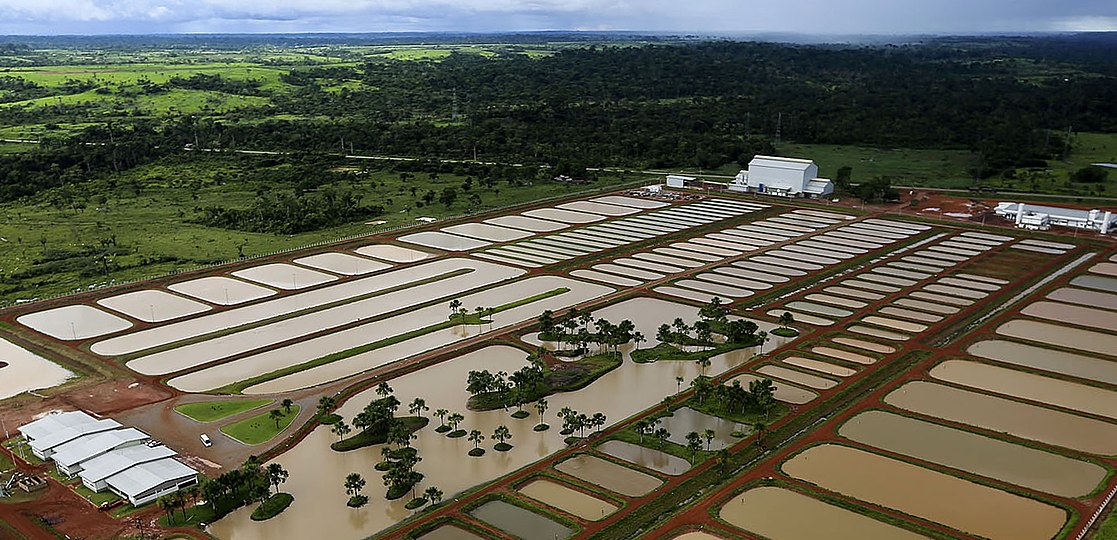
{"x": 96, "y": 472}
{"x": 146, "y": 482}
{"x": 1038, "y": 217}
{"x": 70, "y": 457}
{"x": 46, "y": 434}
{"x": 680, "y": 181}
{"x": 785, "y": 177}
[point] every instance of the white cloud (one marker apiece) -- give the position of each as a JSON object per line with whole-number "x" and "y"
{"x": 1085, "y": 24}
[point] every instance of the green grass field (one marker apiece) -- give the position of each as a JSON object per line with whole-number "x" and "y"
{"x": 154, "y": 224}
{"x": 209, "y": 411}
{"x": 260, "y": 428}
{"x": 1108, "y": 528}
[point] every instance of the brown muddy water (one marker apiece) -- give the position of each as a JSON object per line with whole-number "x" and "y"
{"x": 450, "y": 532}
{"x": 926, "y": 306}
{"x": 835, "y": 300}
{"x": 645, "y": 457}
{"x": 829, "y": 311}
{"x": 1049, "y": 390}
{"x": 783, "y": 514}
{"x": 568, "y": 500}
{"x": 935, "y": 496}
{"x": 527, "y": 223}
{"x": 609, "y": 475}
{"x": 820, "y": 366}
{"x": 893, "y": 323}
{"x": 784, "y": 392}
{"x": 805, "y": 379}
{"x": 977, "y": 454}
{"x": 153, "y": 306}
{"x": 1069, "y": 314}
{"x": 1075, "y": 365}
{"x": 221, "y": 290}
{"x": 686, "y": 420}
{"x": 520, "y": 522}
{"x": 22, "y": 370}
{"x": 1062, "y": 336}
{"x": 1022, "y": 420}
{"x": 867, "y": 345}
{"x": 1084, "y": 297}
{"x": 910, "y": 314}
{"x": 801, "y": 317}
{"x": 878, "y": 333}
{"x": 848, "y": 356}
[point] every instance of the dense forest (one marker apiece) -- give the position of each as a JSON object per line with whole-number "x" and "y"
{"x": 674, "y": 104}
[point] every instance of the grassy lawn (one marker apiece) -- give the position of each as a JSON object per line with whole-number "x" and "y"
{"x": 566, "y": 377}
{"x": 260, "y": 428}
{"x": 272, "y": 507}
{"x": 909, "y": 167}
{"x": 96, "y": 498}
{"x": 1108, "y": 528}
{"x": 369, "y": 437}
{"x": 6, "y": 462}
{"x": 209, "y": 411}
{"x": 148, "y": 211}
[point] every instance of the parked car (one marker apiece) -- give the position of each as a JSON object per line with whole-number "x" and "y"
{"x": 205, "y": 440}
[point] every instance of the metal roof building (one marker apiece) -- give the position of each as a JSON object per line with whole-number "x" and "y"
{"x": 97, "y": 471}
{"x": 146, "y": 482}
{"x": 71, "y": 456}
{"x": 788, "y": 177}
{"x": 46, "y": 434}
{"x": 1039, "y": 217}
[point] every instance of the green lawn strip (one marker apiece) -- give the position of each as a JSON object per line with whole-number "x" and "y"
{"x": 667, "y": 504}
{"x": 369, "y": 438}
{"x": 26, "y": 454}
{"x": 572, "y": 376}
{"x": 469, "y": 318}
{"x": 1108, "y": 528}
{"x": 96, "y": 498}
{"x": 785, "y": 332}
{"x": 669, "y": 352}
{"x": 272, "y": 507}
{"x": 256, "y": 324}
{"x": 260, "y": 428}
{"x": 6, "y": 462}
{"x": 209, "y": 411}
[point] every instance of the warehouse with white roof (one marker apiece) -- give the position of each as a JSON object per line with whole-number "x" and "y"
{"x": 107, "y": 455}
{"x": 785, "y": 177}
{"x": 46, "y": 434}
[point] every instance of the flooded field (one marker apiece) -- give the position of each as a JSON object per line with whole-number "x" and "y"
{"x": 1096, "y": 282}
{"x": 862, "y": 344}
{"x": 783, "y": 514}
{"x": 645, "y": 457}
{"x": 389, "y": 252}
{"x": 284, "y": 276}
{"x": 1006, "y": 416}
{"x": 565, "y": 216}
{"x": 1079, "y": 397}
{"x": 526, "y": 223}
{"x": 1078, "y": 315}
{"x": 978, "y": 454}
{"x": 630, "y": 201}
{"x": 820, "y": 366}
{"x": 22, "y": 370}
{"x": 485, "y": 231}
{"x": 153, "y": 306}
{"x": 221, "y": 290}
{"x": 520, "y": 522}
{"x": 1075, "y": 365}
{"x": 686, "y": 420}
{"x": 878, "y": 333}
{"x": 450, "y": 532}
{"x": 1062, "y": 336}
{"x": 805, "y": 379}
{"x": 784, "y": 392}
{"x": 70, "y": 323}
{"x": 1084, "y": 297}
{"x": 609, "y": 475}
{"x": 957, "y": 503}
{"x": 441, "y": 240}
{"x": 343, "y": 263}
{"x": 569, "y": 500}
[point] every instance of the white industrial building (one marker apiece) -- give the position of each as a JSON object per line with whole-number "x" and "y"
{"x": 146, "y": 482}
{"x": 46, "y": 434}
{"x": 97, "y": 471}
{"x": 107, "y": 455}
{"x": 785, "y": 177}
{"x": 680, "y": 181}
{"x": 70, "y": 457}
{"x": 1042, "y": 218}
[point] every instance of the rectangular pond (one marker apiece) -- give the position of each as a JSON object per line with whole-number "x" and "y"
{"x": 782, "y": 514}
{"x": 520, "y": 522}
{"x": 221, "y": 290}
{"x": 1067, "y": 363}
{"x": 1020, "y": 384}
{"x": 22, "y": 370}
{"x": 645, "y": 457}
{"x": 285, "y": 276}
{"x": 609, "y": 475}
{"x": 567, "y": 499}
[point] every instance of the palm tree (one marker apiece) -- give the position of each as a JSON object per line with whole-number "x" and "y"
{"x": 341, "y": 429}
{"x": 475, "y": 437}
{"x": 501, "y": 434}
{"x": 638, "y": 338}
{"x": 287, "y": 404}
{"x": 703, "y": 364}
{"x": 694, "y": 444}
{"x": 418, "y": 405}
{"x": 661, "y": 435}
{"x": 679, "y": 384}
{"x": 786, "y": 319}
{"x": 709, "y": 435}
{"x": 276, "y": 475}
{"x": 277, "y": 415}
{"x": 326, "y": 405}
{"x": 441, "y": 414}
{"x": 454, "y": 420}
{"x": 166, "y": 502}
{"x": 433, "y": 494}
{"x": 760, "y": 427}
{"x": 480, "y": 311}
{"x": 641, "y": 426}
{"x": 598, "y": 420}
{"x": 383, "y": 390}
{"x": 455, "y": 305}
{"x": 354, "y": 484}
{"x": 540, "y": 408}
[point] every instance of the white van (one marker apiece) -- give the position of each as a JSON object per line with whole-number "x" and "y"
{"x": 205, "y": 440}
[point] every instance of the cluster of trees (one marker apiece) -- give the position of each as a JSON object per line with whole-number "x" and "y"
{"x": 237, "y": 487}
{"x": 522, "y": 386}
{"x": 713, "y": 319}
{"x": 759, "y": 396}
{"x": 574, "y": 329}
{"x": 291, "y": 212}
{"x": 573, "y": 420}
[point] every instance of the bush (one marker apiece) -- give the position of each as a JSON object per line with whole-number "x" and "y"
{"x": 369, "y": 438}
{"x": 1090, "y": 175}
{"x": 785, "y": 332}
{"x": 357, "y": 501}
{"x": 272, "y": 507}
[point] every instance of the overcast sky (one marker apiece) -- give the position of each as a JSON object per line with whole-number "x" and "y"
{"x": 701, "y": 16}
